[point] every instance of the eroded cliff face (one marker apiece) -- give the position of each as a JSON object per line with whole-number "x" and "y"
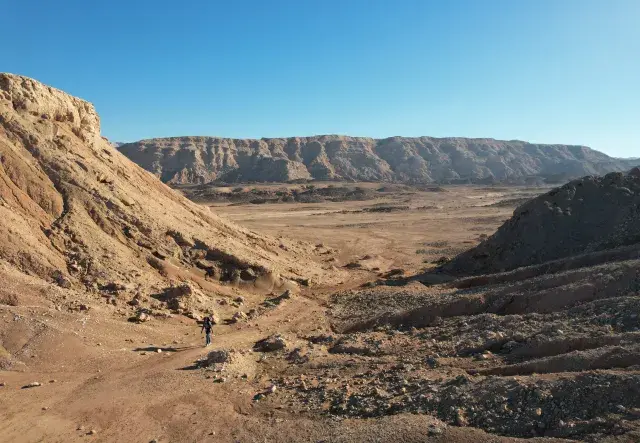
{"x": 75, "y": 210}
{"x": 196, "y": 160}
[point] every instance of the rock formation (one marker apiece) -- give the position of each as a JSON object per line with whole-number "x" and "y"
{"x": 76, "y": 211}
{"x": 197, "y": 160}
{"x": 587, "y": 215}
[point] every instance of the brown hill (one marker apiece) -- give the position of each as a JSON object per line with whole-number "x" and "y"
{"x": 75, "y": 210}
{"x": 587, "y": 215}
{"x": 197, "y": 160}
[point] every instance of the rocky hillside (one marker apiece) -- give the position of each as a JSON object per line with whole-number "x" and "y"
{"x": 76, "y": 211}
{"x": 535, "y": 334}
{"x": 196, "y": 160}
{"x": 587, "y": 215}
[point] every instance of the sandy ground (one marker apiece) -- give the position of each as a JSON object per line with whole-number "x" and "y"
{"x": 103, "y": 379}
{"x": 436, "y": 224}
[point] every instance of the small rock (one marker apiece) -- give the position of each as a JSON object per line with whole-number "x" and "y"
{"x": 159, "y": 351}
{"x": 461, "y": 419}
{"x": 238, "y": 316}
{"x": 142, "y": 317}
{"x": 32, "y": 385}
{"x": 92, "y": 432}
{"x": 52, "y": 381}
{"x": 248, "y": 274}
{"x": 271, "y": 389}
{"x": 239, "y": 300}
{"x": 44, "y": 408}
{"x": 432, "y": 362}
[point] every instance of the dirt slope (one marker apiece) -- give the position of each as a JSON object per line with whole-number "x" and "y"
{"x": 196, "y": 160}
{"x": 586, "y": 215}
{"x": 75, "y": 210}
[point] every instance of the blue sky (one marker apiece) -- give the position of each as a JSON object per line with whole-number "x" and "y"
{"x": 548, "y": 71}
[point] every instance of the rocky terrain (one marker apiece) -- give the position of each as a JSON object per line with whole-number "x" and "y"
{"x": 586, "y": 215}
{"x": 543, "y": 343}
{"x": 76, "y": 212}
{"x": 330, "y": 333}
{"x": 197, "y": 160}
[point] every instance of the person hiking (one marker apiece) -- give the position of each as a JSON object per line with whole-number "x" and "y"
{"x": 207, "y": 325}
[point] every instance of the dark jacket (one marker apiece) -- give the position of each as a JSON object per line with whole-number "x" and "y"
{"x": 207, "y": 325}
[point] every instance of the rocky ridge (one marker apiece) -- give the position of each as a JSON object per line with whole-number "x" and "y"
{"x": 198, "y": 160}
{"x": 586, "y": 215}
{"x": 75, "y": 211}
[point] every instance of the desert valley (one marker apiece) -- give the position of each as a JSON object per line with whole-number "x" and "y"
{"x": 363, "y": 290}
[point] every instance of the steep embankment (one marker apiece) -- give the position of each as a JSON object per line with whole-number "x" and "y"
{"x": 75, "y": 210}
{"x": 195, "y": 160}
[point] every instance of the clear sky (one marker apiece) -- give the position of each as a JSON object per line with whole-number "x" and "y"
{"x": 548, "y": 71}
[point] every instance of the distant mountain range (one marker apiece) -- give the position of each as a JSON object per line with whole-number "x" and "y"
{"x": 197, "y": 160}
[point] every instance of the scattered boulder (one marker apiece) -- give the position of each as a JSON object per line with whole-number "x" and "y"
{"x": 303, "y": 281}
{"x": 141, "y": 317}
{"x": 60, "y": 279}
{"x": 218, "y": 356}
{"x": 210, "y": 267}
{"x": 322, "y": 339}
{"x": 238, "y": 316}
{"x": 297, "y": 356}
{"x": 215, "y": 320}
{"x": 356, "y": 346}
{"x": 286, "y": 295}
{"x": 270, "y": 344}
{"x": 114, "y": 286}
{"x": 248, "y": 274}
